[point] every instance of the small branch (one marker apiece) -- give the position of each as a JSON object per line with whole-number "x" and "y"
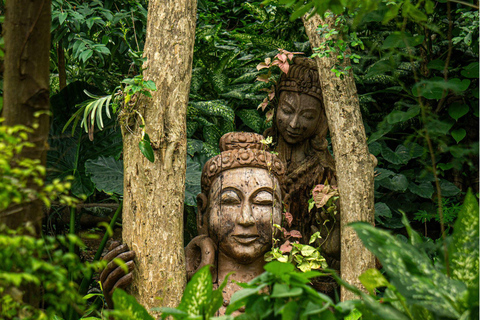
{"x": 449, "y": 55}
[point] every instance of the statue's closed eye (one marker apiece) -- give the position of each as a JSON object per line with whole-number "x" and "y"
{"x": 264, "y": 198}
{"x": 230, "y": 197}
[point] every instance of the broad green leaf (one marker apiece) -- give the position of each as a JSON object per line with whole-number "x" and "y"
{"x": 217, "y": 108}
{"x": 198, "y": 293}
{"x": 412, "y": 272}
{"x": 279, "y": 268}
{"x": 194, "y": 146}
{"x": 436, "y": 64}
{"x": 382, "y": 210}
{"x": 375, "y": 148}
{"x": 424, "y": 189}
{"x": 106, "y": 173}
{"x": 251, "y": 118}
{"x": 400, "y": 39}
{"x": 400, "y": 156}
{"x": 457, "y": 110}
{"x": 458, "y": 134}
{"x": 146, "y": 149}
{"x": 290, "y": 310}
{"x": 381, "y": 174}
{"x": 380, "y": 68}
{"x": 448, "y": 188}
{"x": 470, "y": 71}
{"x": 398, "y": 182}
{"x": 212, "y": 135}
{"x": 463, "y": 250}
{"x": 434, "y": 87}
{"x": 373, "y": 279}
{"x": 131, "y": 309}
{"x": 397, "y": 116}
{"x": 239, "y": 297}
{"x": 414, "y": 149}
{"x": 283, "y": 291}
{"x": 61, "y": 17}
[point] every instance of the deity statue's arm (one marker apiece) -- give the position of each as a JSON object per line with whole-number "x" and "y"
{"x": 114, "y": 276}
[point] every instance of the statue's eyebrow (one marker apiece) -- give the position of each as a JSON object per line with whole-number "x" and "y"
{"x": 237, "y": 192}
{"x": 265, "y": 189}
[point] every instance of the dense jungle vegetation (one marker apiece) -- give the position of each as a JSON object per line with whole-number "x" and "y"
{"x": 416, "y": 70}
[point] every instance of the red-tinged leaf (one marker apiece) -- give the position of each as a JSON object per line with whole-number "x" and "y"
{"x": 268, "y": 61}
{"x": 284, "y": 67}
{"x": 269, "y": 115}
{"x": 289, "y": 218}
{"x": 295, "y": 234}
{"x": 271, "y": 95}
{"x": 286, "y": 247}
{"x": 282, "y": 57}
{"x": 286, "y": 234}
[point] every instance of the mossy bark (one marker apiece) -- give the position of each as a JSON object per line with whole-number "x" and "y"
{"x": 154, "y": 192}
{"x": 354, "y": 164}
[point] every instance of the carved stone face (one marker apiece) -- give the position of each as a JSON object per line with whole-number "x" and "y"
{"x": 298, "y": 116}
{"x": 243, "y": 205}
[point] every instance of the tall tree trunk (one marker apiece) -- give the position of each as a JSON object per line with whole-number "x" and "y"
{"x": 26, "y": 88}
{"x": 354, "y": 164}
{"x": 62, "y": 72}
{"x": 154, "y": 192}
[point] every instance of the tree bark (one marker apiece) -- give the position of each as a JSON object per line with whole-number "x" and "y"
{"x": 26, "y": 88}
{"x": 354, "y": 164}
{"x": 62, "y": 72}
{"x": 154, "y": 192}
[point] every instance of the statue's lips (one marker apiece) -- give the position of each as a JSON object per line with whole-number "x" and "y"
{"x": 294, "y": 134}
{"x": 245, "y": 238}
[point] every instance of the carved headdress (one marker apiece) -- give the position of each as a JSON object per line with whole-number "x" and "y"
{"x": 240, "y": 150}
{"x": 301, "y": 77}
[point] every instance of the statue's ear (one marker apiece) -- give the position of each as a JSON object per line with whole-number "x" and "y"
{"x": 202, "y": 204}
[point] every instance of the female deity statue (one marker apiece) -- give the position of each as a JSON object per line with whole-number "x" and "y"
{"x": 299, "y": 134}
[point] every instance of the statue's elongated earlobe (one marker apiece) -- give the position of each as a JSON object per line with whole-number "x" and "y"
{"x": 202, "y": 204}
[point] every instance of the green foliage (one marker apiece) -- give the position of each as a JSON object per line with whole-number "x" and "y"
{"x": 417, "y": 287}
{"x": 101, "y": 39}
{"x": 22, "y": 179}
{"x": 199, "y": 300}
{"x": 282, "y": 293}
{"x": 29, "y": 266}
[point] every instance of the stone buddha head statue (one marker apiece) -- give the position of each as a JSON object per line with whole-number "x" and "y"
{"x": 241, "y": 199}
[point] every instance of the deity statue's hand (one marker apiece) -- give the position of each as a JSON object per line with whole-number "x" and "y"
{"x": 200, "y": 252}
{"x": 114, "y": 276}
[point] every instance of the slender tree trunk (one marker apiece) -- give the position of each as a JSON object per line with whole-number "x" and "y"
{"x": 154, "y": 192}
{"x": 62, "y": 73}
{"x": 354, "y": 164}
{"x": 26, "y": 88}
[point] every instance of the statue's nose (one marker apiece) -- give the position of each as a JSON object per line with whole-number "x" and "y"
{"x": 294, "y": 122}
{"x": 246, "y": 218}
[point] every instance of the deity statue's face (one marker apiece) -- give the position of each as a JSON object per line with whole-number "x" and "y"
{"x": 298, "y": 116}
{"x": 244, "y": 203}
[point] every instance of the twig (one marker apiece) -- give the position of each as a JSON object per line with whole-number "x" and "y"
{"x": 449, "y": 55}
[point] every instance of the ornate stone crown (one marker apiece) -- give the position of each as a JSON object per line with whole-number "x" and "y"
{"x": 301, "y": 77}
{"x": 240, "y": 149}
